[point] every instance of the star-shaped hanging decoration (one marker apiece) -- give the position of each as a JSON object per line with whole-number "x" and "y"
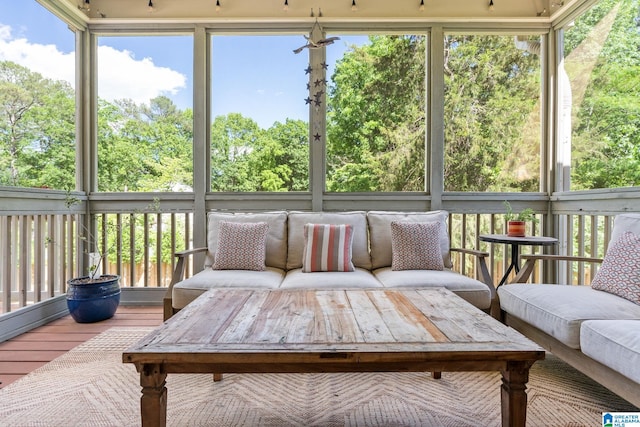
{"x": 317, "y": 102}
{"x": 324, "y": 66}
{"x": 308, "y": 70}
{"x": 308, "y": 101}
{"x": 317, "y": 137}
{"x": 319, "y": 94}
{"x": 308, "y": 86}
{"x": 319, "y": 82}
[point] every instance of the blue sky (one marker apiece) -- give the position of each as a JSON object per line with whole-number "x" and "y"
{"x": 259, "y": 77}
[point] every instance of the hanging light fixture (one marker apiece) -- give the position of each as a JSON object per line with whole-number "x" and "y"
{"x": 490, "y": 5}
{"x": 218, "y": 7}
{"x": 421, "y": 6}
{"x": 86, "y": 6}
{"x": 354, "y": 7}
{"x": 150, "y": 6}
{"x": 286, "y": 5}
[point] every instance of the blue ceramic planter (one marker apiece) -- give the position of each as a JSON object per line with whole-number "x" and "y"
{"x": 90, "y": 302}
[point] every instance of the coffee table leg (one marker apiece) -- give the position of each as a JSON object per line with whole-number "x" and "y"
{"x": 513, "y": 395}
{"x": 153, "y": 403}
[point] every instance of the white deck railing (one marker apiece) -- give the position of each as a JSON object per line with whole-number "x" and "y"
{"x": 39, "y": 252}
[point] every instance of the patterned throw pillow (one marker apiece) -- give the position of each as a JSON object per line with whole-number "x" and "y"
{"x": 241, "y": 246}
{"x": 327, "y": 247}
{"x": 416, "y": 246}
{"x": 619, "y": 273}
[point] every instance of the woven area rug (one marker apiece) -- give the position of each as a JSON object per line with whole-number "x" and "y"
{"x": 90, "y": 386}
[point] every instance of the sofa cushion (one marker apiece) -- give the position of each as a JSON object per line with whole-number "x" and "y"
{"x": 559, "y": 310}
{"x": 358, "y": 278}
{"x": 189, "y": 289}
{"x": 327, "y": 247}
{"x": 380, "y": 233}
{"x": 276, "y": 243}
{"x": 416, "y": 246}
{"x": 614, "y": 343}
{"x": 241, "y": 246}
{"x": 623, "y": 223}
{"x": 471, "y": 290}
{"x": 357, "y": 219}
{"x": 619, "y": 273}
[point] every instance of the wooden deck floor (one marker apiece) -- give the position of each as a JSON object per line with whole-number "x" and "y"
{"x": 29, "y": 351}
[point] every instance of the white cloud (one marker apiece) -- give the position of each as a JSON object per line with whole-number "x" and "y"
{"x": 121, "y": 74}
{"x": 44, "y": 59}
{"x": 124, "y": 76}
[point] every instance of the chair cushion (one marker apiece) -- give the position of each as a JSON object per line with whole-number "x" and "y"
{"x": 357, "y": 219}
{"x": 327, "y": 247}
{"x": 276, "y": 242}
{"x": 416, "y": 246}
{"x": 189, "y": 289}
{"x": 559, "y": 310}
{"x": 619, "y": 273}
{"x": 471, "y": 290}
{"x": 380, "y": 233}
{"x": 358, "y": 278}
{"x": 614, "y": 343}
{"x": 241, "y": 246}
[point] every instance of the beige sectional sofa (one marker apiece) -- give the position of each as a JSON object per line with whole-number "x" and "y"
{"x": 371, "y": 255}
{"x": 597, "y": 331}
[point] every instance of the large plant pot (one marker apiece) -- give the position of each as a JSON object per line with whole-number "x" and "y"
{"x": 93, "y": 300}
{"x": 516, "y": 228}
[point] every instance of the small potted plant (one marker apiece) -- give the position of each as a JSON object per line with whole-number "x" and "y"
{"x": 516, "y": 222}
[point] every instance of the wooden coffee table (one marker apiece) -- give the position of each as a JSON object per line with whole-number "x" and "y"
{"x": 244, "y": 331}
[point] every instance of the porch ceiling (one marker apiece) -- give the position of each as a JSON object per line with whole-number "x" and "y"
{"x": 273, "y": 10}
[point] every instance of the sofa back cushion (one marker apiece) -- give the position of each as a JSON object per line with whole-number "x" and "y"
{"x": 623, "y": 223}
{"x": 357, "y": 219}
{"x": 380, "y": 233}
{"x": 276, "y": 241}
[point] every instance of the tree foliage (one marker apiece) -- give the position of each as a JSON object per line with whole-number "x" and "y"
{"x": 376, "y": 123}
{"x": 605, "y": 137}
{"x": 376, "y": 117}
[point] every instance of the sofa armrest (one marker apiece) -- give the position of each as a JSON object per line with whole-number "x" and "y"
{"x": 178, "y": 276}
{"x": 483, "y": 270}
{"x": 530, "y": 263}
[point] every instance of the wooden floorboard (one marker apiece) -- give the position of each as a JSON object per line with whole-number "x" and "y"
{"x": 31, "y": 350}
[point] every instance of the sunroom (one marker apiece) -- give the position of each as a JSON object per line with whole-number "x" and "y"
{"x": 126, "y": 122}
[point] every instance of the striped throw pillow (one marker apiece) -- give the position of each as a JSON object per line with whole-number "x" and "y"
{"x": 327, "y": 247}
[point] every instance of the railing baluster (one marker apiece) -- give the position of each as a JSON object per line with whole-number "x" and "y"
{"x": 145, "y": 257}
{"x": 25, "y": 260}
{"x": 158, "y": 250}
{"x": 38, "y": 258}
{"x": 7, "y": 258}
{"x": 118, "y": 237}
{"x": 132, "y": 250}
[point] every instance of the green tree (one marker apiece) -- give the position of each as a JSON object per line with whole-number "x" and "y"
{"x": 605, "y": 138}
{"x": 37, "y": 130}
{"x": 491, "y": 90}
{"x": 281, "y": 160}
{"x": 233, "y": 139}
{"x": 376, "y": 120}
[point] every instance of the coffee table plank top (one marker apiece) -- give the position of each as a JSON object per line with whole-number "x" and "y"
{"x": 383, "y": 321}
